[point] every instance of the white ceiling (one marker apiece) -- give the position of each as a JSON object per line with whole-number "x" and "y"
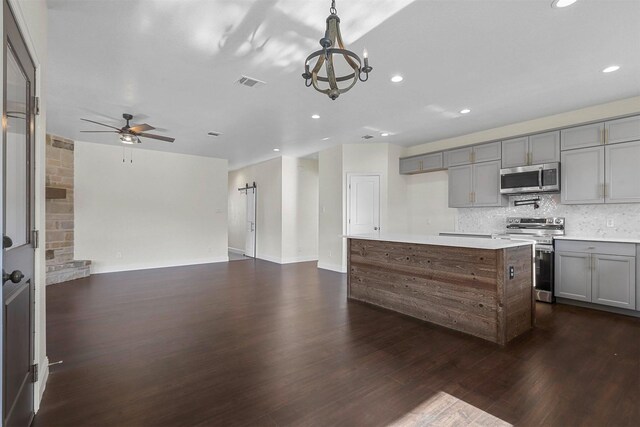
{"x": 174, "y": 63}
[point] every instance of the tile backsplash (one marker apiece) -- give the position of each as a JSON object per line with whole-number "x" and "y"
{"x": 581, "y": 220}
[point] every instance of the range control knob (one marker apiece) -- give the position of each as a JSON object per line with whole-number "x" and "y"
{"x": 558, "y": 221}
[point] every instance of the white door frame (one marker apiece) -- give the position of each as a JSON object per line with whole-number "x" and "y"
{"x": 348, "y": 196}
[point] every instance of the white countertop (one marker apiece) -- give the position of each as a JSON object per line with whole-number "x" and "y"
{"x": 601, "y": 239}
{"x": 459, "y": 242}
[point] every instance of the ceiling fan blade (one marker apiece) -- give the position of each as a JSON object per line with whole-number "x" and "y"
{"x": 99, "y": 131}
{"x": 161, "y": 138}
{"x": 141, "y": 128}
{"x": 101, "y": 124}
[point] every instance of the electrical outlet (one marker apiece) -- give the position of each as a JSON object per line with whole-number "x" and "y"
{"x": 610, "y": 222}
{"x": 512, "y": 272}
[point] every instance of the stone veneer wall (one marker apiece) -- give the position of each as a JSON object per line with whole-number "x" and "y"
{"x": 59, "y": 214}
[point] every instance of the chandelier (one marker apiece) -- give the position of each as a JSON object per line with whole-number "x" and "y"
{"x": 335, "y": 85}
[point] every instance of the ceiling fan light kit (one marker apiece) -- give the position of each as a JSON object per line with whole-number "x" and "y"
{"x": 326, "y": 55}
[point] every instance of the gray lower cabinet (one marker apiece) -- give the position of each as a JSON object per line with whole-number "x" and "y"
{"x": 475, "y": 185}
{"x": 582, "y": 176}
{"x": 583, "y": 273}
{"x": 614, "y": 280}
{"x": 573, "y": 275}
{"x": 622, "y": 173}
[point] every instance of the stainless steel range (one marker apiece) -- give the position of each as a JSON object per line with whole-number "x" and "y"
{"x": 542, "y": 231}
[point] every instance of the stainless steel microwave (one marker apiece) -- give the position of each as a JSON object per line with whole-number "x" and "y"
{"x": 543, "y": 178}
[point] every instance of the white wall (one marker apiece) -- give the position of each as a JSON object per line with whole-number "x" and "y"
{"x": 299, "y": 209}
{"x": 428, "y": 202}
{"x": 287, "y": 209}
{"x": 161, "y": 210}
{"x": 335, "y": 166}
{"x": 268, "y": 177}
{"x": 330, "y": 242}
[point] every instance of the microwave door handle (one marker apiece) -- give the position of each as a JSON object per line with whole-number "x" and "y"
{"x": 540, "y": 178}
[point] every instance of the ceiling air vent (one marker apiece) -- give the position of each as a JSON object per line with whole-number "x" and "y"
{"x": 249, "y": 82}
{"x": 214, "y": 133}
{"x": 367, "y": 137}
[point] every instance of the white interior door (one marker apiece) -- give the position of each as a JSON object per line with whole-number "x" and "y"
{"x": 363, "y": 213}
{"x": 250, "y": 235}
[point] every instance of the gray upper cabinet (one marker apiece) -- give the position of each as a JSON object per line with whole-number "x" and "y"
{"x": 544, "y": 148}
{"x": 622, "y": 173}
{"x": 410, "y": 165}
{"x": 614, "y": 280}
{"x": 573, "y": 275}
{"x": 475, "y": 154}
{"x": 583, "y": 176}
{"x": 487, "y": 152}
{"x": 432, "y": 162}
{"x": 622, "y": 130}
{"x": 423, "y": 163}
{"x": 531, "y": 150}
{"x": 460, "y": 186}
{"x": 475, "y": 185}
{"x": 582, "y": 136}
{"x": 486, "y": 184}
{"x": 460, "y": 156}
{"x": 515, "y": 152}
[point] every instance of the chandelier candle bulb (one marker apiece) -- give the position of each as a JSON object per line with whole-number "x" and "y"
{"x": 365, "y": 55}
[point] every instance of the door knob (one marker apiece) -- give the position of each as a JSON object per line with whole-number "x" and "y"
{"x": 15, "y": 277}
{"x": 6, "y": 242}
{"x": 375, "y": 228}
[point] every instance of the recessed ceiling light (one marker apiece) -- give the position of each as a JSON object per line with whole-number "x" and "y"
{"x": 562, "y": 3}
{"x": 324, "y": 139}
{"x": 276, "y": 149}
{"x": 397, "y": 78}
{"x": 611, "y": 69}
{"x": 384, "y": 134}
{"x": 465, "y": 111}
{"x": 315, "y": 116}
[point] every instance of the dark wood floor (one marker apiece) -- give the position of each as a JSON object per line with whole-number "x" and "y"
{"x": 255, "y": 343}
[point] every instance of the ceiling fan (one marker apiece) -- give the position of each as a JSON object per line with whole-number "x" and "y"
{"x": 129, "y": 134}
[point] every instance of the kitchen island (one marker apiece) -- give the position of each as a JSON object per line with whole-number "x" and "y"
{"x": 482, "y": 287}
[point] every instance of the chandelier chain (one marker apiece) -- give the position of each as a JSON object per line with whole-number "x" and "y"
{"x": 332, "y": 9}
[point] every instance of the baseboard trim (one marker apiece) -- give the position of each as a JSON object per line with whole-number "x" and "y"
{"x": 333, "y": 267}
{"x": 606, "y": 308}
{"x": 42, "y": 382}
{"x": 299, "y": 259}
{"x": 96, "y": 269}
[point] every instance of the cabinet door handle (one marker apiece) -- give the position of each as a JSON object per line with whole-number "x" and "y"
{"x": 421, "y": 168}
{"x": 470, "y": 197}
{"x": 606, "y": 135}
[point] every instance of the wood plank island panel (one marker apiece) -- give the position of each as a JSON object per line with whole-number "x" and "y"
{"x": 466, "y": 289}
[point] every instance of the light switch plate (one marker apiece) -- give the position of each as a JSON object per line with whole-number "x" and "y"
{"x": 610, "y": 222}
